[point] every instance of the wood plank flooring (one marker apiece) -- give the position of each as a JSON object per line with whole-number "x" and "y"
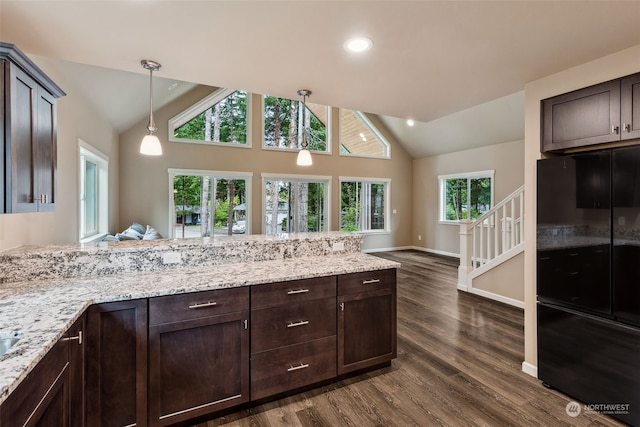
{"x": 459, "y": 364}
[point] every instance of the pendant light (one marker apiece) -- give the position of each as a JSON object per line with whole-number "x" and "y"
{"x": 150, "y": 143}
{"x": 304, "y": 155}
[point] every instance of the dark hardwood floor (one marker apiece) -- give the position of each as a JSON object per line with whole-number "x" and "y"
{"x": 459, "y": 364}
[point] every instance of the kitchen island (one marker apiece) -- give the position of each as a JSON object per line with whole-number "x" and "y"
{"x": 40, "y": 312}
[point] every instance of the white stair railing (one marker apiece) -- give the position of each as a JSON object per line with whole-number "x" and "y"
{"x": 491, "y": 239}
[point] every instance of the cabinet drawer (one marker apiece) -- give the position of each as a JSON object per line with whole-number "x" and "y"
{"x": 292, "y": 324}
{"x": 195, "y": 305}
{"x": 366, "y": 281}
{"x": 292, "y": 292}
{"x": 292, "y": 367}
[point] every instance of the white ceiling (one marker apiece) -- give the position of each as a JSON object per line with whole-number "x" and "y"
{"x": 430, "y": 59}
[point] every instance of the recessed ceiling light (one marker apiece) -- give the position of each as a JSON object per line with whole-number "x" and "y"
{"x": 410, "y": 122}
{"x": 358, "y": 44}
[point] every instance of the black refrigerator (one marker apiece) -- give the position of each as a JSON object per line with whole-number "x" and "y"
{"x": 588, "y": 278}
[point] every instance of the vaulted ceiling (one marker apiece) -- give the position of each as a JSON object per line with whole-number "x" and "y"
{"x": 456, "y": 67}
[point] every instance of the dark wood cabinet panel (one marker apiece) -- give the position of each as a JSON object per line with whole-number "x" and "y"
{"x": 292, "y": 292}
{"x": 116, "y": 338}
{"x": 583, "y": 117}
{"x": 292, "y": 324}
{"x": 42, "y": 399}
{"x": 196, "y": 305}
{"x": 75, "y": 337}
{"x": 29, "y": 122}
{"x": 197, "y": 367}
{"x": 367, "y": 333}
{"x": 291, "y": 367}
{"x": 630, "y": 107}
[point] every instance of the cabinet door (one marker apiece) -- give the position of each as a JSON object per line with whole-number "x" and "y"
{"x": 116, "y": 390}
{"x": 630, "y": 107}
{"x": 366, "y": 329}
{"x": 45, "y": 156}
{"x": 42, "y": 399}
{"x": 197, "y": 367}
{"x": 75, "y": 338}
{"x": 20, "y": 141}
{"x": 583, "y": 117}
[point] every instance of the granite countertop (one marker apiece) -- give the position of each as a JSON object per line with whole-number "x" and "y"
{"x": 43, "y": 310}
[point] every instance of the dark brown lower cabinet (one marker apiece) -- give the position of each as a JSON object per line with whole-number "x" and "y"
{"x": 366, "y": 320}
{"x": 116, "y": 375}
{"x": 197, "y": 367}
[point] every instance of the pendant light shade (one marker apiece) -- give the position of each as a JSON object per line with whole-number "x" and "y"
{"x": 150, "y": 143}
{"x": 304, "y": 158}
{"x": 304, "y": 155}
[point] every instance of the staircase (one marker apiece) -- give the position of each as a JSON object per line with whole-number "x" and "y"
{"x": 491, "y": 240}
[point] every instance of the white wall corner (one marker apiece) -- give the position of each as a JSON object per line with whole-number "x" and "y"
{"x": 530, "y": 369}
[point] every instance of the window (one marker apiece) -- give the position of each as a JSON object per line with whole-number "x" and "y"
{"x": 295, "y": 204}
{"x": 284, "y": 123}
{"x": 364, "y": 204}
{"x": 358, "y": 136}
{"x": 466, "y": 196}
{"x": 219, "y": 119}
{"x": 94, "y": 193}
{"x": 209, "y": 203}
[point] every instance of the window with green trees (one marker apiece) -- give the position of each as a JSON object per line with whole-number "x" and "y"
{"x": 220, "y": 118}
{"x": 295, "y": 205}
{"x": 209, "y": 204}
{"x": 363, "y": 204}
{"x": 465, "y": 196}
{"x": 285, "y": 121}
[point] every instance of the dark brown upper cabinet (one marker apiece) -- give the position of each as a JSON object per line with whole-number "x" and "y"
{"x": 598, "y": 114}
{"x": 28, "y": 134}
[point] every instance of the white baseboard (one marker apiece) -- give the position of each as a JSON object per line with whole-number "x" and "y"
{"x": 495, "y": 297}
{"x": 399, "y": 248}
{"x": 530, "y": 369}
{"x": 435, "y": 251}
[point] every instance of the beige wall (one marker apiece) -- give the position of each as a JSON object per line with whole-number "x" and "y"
{"x": 506, "y": 159}
{"x": 506, "y": 280}
{"x": 613, "y": 66}
{"x": 144, "y": 182}
{"x": 76, "y": 119}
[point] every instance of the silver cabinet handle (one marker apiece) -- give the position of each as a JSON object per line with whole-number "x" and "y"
{"x": 615, "y": 129}
{"x": 77, "y": 337}
{"x": 341, "y": 306}
{"x": 300, "y": 366}
{"x": 203, "y": 305}
{"x": 44, "y": 198}
{"x": 626, "y": 127}
{"x": 368, "y": 282}
{"x": 297, "y": 291}
{"x": 300, "y": 323}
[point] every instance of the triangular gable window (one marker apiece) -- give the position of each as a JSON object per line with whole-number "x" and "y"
{"x": 359, "y": 137}
{"x": 220, "y": 118}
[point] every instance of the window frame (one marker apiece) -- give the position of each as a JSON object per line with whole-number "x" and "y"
{"x": 88, "y": 153}
{"x": 326, "y": 180}
{"x": 202, "y": 105}
{"x": 442, "y": 179}
{"x": 387, "y": 201}
{"x": 372, "y": 128}
{"x": 289, "y": 149}
{"x": 246, "y": 176}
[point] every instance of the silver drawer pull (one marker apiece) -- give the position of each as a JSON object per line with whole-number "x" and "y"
{"x": 77, "y": 337}
{"x": 368, "y": 282}
{"x": 204, "y": 305}
{"x": 298, "y": 291}
{"x": 300, "y": 366}
{"x": 300, "y": 323}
